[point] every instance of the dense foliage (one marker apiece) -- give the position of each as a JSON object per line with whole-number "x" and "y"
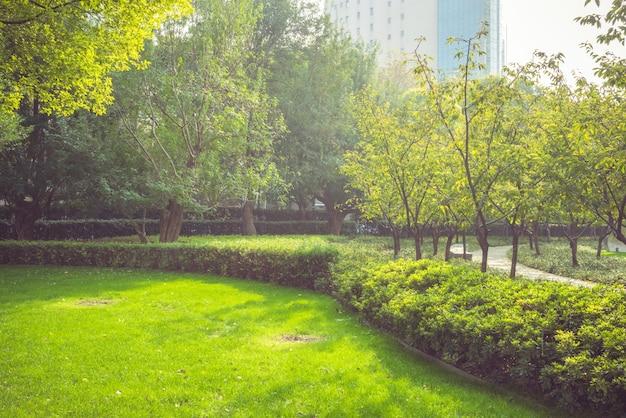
{"x": 564, "y": 342}
{"x": 61, "y": 53}
{"x": 287, "y": 262}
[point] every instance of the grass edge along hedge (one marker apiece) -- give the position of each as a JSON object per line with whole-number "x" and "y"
{"x": 285, "y": 263}
{"x": 568, "y": 342}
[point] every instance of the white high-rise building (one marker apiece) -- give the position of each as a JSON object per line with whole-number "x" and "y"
{"x": 396, "y": 25}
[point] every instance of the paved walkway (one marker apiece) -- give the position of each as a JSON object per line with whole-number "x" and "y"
{"x": 615, "y": 245}
{"x": 497, "y": 259}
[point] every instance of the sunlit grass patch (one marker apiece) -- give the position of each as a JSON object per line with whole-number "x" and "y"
{"x": 98, "y": 342}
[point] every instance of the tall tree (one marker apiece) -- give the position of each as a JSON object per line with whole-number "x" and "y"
{"x": 600, "y": 134}
{"x": 57, "y": 57}
{"x": 570, "y": 189}
{"x": 313, "y": 84}
{"x": 199, "y": 114}
{"x": 516, "y": 193}
{"x": 57, "y": 158}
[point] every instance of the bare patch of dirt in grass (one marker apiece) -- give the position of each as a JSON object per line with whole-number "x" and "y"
{"x": 289, "y": 338}
{"x": 94, "y": 302}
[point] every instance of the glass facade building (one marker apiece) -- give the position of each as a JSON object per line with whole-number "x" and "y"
{"x": 462, "y": 20}
{"x": 395, "y": 25}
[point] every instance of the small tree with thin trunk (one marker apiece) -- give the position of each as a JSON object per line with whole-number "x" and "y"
{"x": 395, "y": 154}
{"x": 471, "y": 117}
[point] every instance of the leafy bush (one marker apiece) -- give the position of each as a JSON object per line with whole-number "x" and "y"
{"x": 569, "y": 341}
{"x": 288, "y": 262}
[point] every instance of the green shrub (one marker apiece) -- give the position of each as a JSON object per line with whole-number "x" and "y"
{"x": 289, "y": 262}
{"x": 88, "y": 229}
{"x": 569, "y": 341}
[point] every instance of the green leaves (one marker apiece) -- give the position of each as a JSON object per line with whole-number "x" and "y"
{"x": 200, "y": 114}
{"x": 63, "y": 53}
{"x": 567, "y": 340}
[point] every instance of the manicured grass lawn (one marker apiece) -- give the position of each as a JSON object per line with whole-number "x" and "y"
{"x": 97, "y": 342}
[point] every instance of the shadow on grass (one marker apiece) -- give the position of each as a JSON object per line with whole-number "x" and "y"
{"x": 190, "y": 345}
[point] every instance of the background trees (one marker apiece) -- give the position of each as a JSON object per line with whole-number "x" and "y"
{"x": 55, "y": 58}
{"x": 199, "y": 113}
{"x": 245, "y": 98}
{"x": 312, "y": 83}
{"x": 520, "y": 148}
{"x": 55, "y": 162}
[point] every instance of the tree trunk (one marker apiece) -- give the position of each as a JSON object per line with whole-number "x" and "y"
{"x": 599, "y": 249}
{"x": 601, "y": 239}
{"x": 573, "y": 245}
{"x": 482, "y": 234}
{"x": 484, "y": 246}
{"x": 140, "y": 230}
{"x": 514, "y": 255}
{"x": 573, "y": 232}
{"x": 247, "y": 218}
{"x": 302, "y": 207}
{"x": 395, "y": 231}
{"x": 435, "y": 240}
{"x": 417, "y": 237}
{"x": 517, "y": 232}
{"x": 449, "y": 241}
{"x": 26, "y": 214}
{"x": 335, "y": 221}
{"x": 535, "y": 228}
{"x": 171, "y": 222}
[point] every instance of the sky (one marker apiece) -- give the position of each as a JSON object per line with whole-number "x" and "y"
{"x": 549, "y": 26}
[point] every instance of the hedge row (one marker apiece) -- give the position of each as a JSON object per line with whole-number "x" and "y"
{"x": 90, "y": 229}
{"x": 291, "y": 262}
{"x": 562, "y": 342}
{"x": 568, "y": 342}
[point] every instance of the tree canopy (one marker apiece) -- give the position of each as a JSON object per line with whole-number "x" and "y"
{"x": 61, "y": 52}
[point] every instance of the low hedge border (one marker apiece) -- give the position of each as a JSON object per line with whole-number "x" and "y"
{"x": 87, "y": 229}
{"x": 564, "y": 343}
{"x": 289, "y": 264}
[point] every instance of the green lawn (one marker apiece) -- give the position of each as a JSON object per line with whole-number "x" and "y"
{"x": 556, "y": 257}
{"x": 96, "y": 343}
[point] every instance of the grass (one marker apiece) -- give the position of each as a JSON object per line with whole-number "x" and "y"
{"x": 99, "y": 342}
{"x": 556, "y": 258}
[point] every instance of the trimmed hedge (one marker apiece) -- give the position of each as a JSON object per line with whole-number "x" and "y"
{"x": 290, "y": 262}
{"x": 565, "y": 343}
{"x": 570, "y": 342}
{"x": 87, "y": 229}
